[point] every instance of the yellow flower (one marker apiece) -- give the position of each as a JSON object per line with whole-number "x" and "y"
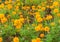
{"x": 38, "y": 6}
{"x": 3, "y": 20}
{"x": 52, "y": 24}
{"x": 33, "y": 40}
{"x": 41, "y": 35}
{"x": 49, "y": 17}
{"x": 37, "y": 16}
{"x": 39, "y": 19}
{"x": 17, "y": 7}
{"x": 1, "y": 39}
{"x": 56, "y": 10}
{"x": 48, "y": 6}
{"x": 10, "y": 1}
{"x": 58, "y": 14}
{"x": 17, "y": 23}
{"x": 6, "y": 2}
{"x": 36, "y": 40}
{"x": 9, "y": 6}
{"x": 18, "y": 3}
{"x": 21, "y": 20}
{"x": 15, "y": 39}
{"x": 43, "y": 8}
{"x": 47, "y": 29}
{"x": 55, "y": 3}
{"x": 1, "y": 16}
{"x": 33, "y": 8}
{"x": 2, "y": 5}
{"x": 14, "y": 12}
{"x": 51, "y": 6}
{"x": 39, "y": 27}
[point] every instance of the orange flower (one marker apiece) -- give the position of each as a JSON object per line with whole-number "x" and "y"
{"x": 17, "y": 23}
{"x": 9, "y": 6}
{"x": 13, "y": 12}
{"x": 21, "y": 20}
{"x": 51, "y": 6}
{"x": 24, "y": 8}
{"x": 33, "y": 40}
{"x": 39, "y": 7}
{"x": 48, "y": 6}
{"x": 17, "y": 7}
{"x": 6, "y": 2}
{"x": 39, "y": 27}
{"x": 39, "y": 19}
{"x": 58, "y": 14}
{"x": 1, "y": 16}
{"x": 2, "y": 5}
{"x": 41, "y": 35}
{"x": 55, "y": 3}
{"x": 36, "y": 40}
{"x": 56, "y": 10}
{"x": 1, "y": 39}
{"x": 33, "y": 8}
{"x": 3, "y": 20}
{"x": 42, "y": 8}
{"x": 49, "y": 17}
{"x": 47, "y": 29}
{"x": 15, "y": 39}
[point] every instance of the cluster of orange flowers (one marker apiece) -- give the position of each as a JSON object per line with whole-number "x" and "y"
{"x": 41, "y": 28}
{"x": 3, "y": 19}
{"x": 18, "y": 22}
{"x": 36, "y": 40}
{"x": 24, "y": 11}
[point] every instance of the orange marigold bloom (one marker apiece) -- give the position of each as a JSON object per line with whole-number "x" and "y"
{"x": 39, "y": 7}
{"x": 3, "y": 20}
{"x": 1, "y": 39}
{"x": 17, "y": 7}
{"x": 1, "y": 16}
{"x": 39, "y": 19}
{"x": 42, "y": 8}
{"x": 14, "y": 12}
{"x": 47, "y": 29}
{"x": 15, "y": 39}
{"x": 36, "y": 40}
{"x": 9, "y": 6}
{"x": 22, "y": 20}
{"x": 56, "y": 10}
{"x": 2, "y": 5}
{"x": 55, "y": 3}
{"x": 33, "y": 8}
{"x": 49, "y": 17}
{"x": 6, "y": 2}
{"x": 17, "y": 23}
{"x": 58, "y": 14}
{"x": 51, "y": 6}
{"x": 41, "y": 35}
{"x": 39, "y": 27}
{"x": 33, "y": 40}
